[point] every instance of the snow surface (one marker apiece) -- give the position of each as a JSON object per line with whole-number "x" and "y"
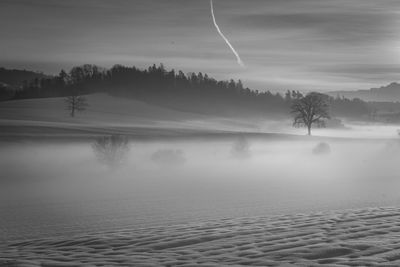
{"x": 365, "y": 237}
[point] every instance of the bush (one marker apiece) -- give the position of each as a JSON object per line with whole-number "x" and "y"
{"x": 111, "y": 150}
{"x": 241, "y": 148}
{"x": 321, "y": 149}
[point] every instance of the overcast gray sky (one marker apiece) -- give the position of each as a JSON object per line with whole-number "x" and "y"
{"x": 285, "y": 44}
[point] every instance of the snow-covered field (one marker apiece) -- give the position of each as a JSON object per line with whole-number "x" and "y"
{"x": 364, "y": 237}
{"x": 233, "y": 201}
{"x": 228, "y": 199}
{"x": 105, "y": 115}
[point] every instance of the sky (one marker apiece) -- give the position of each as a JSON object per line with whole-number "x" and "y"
{"x": 303, "y": 45}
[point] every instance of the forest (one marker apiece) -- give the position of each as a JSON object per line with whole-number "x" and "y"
{"x": 190, "y": 92}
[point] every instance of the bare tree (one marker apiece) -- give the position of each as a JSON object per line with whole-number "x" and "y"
{"x": 111, "y": 150}
{"x": 76, "y": 102}
{"x": 310, "y": 110}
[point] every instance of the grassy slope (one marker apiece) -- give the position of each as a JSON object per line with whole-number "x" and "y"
{"x": 105, "y": 114}
{"x": 102, "y": 109}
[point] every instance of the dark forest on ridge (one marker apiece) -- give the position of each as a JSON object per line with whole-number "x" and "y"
{"x": 174, "y": 89}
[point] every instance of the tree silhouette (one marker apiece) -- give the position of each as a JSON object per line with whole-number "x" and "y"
{"x": 76, "y": 102}
{"x": 111, "y": 150}
{"x": 309, "y": 110}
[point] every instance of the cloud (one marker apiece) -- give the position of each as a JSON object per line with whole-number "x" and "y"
{"x": 287, "y": 44}
{"x": 346, "y": 26}
{"x": 365, "y": 72}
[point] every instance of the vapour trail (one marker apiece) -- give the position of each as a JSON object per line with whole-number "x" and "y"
{"x": 239, "y": 61}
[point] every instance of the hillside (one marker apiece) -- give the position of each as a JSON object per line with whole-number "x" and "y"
{"x": 105, "y": 114}
{"x": 194, "y": 93}
{"x": 388, "y": 93}
{"x": 14, "y": 79}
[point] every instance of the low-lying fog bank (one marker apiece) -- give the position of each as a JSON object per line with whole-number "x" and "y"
{"x": 107, "y": 183}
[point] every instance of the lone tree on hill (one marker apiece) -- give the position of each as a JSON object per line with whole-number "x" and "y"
{"x": 76, "y": 102}
{"x": 310, "y": 109}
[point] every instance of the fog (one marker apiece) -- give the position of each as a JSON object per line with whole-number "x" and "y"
{"x": 108, "y": 183}
{"x": 349, "y": 129}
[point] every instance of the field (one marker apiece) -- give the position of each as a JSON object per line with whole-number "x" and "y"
{"x": 367, "y": 237}
{"x": 165, "y": 187}
{"x": 48, "y": 117}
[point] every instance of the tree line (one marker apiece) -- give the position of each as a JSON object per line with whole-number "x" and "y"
{"x": 193, "y": 92}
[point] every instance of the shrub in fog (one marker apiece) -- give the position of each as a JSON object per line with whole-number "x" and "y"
{"x": 240, "y": 148}
{"x": 168, "y": 157}
{"x": 321, "y": 149}
{"x": 111, "y": 150}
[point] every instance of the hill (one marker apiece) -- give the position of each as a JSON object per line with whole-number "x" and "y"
{"x": 15, "y": 79}
{"x": 106, "y": 115}
{"x": 195, "y": 93}
{"x": 12, "y": 80}
{"x": 388, "y": 93}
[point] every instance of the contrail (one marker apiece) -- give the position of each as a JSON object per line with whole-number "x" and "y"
{"x": 239, "y": 61}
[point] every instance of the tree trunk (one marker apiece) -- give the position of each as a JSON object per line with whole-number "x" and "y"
{"x": 309, "y": 129}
